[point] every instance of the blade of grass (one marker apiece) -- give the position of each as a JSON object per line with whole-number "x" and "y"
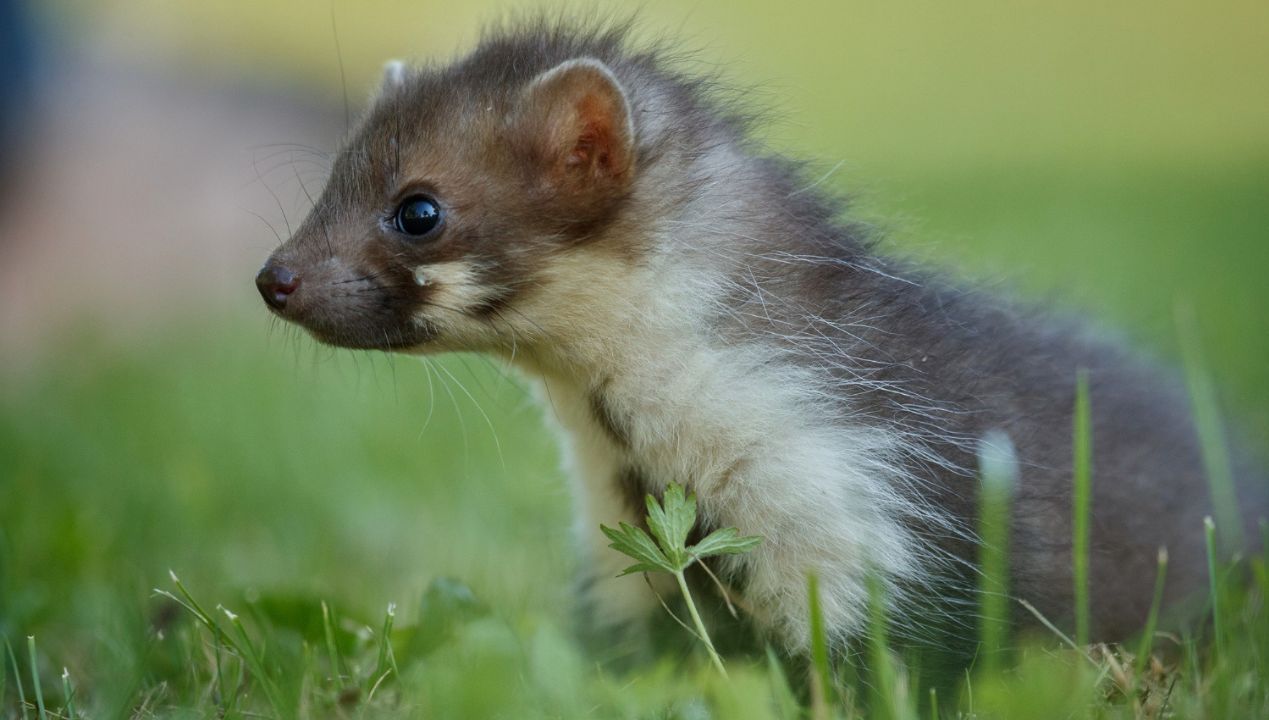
{"x": 889, "y": 699}
{"x": 1209, "y": 533}
{"x": 332, "y": 649}
{"x": 999, "y": 470}
{"x": 189, "y": 602}
{"x": 821, "y": 685}
{"x": 387, "y": 660}
{"x": 1211, "y": 432}
{"x": 69, "y": 693}
{"x": 219, "y": 639}
{"x": 1083, "y": 441}
{"x": 255, "y": 663}
{"x": 1147, "y": 637}
{"x": 1081, "y": 649}
{"x": 783, "y": 699}
{"x": 17, "y": 676}
{"x": 35, "y": 677}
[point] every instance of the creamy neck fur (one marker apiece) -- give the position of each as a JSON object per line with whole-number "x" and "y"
{"x": 649, "y": 393}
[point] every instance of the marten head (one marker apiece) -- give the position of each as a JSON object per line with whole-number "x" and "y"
{"x": 451, "y": 197}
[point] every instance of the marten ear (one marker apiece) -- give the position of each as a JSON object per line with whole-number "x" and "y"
{"x": 393, "y": 75}
{"x": 574, "y": 124}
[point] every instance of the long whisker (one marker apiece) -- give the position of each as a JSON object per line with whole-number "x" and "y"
{"x": 267, "y": 224}
{"x": 492, "y": 430}
{"x": 276, "y": 199}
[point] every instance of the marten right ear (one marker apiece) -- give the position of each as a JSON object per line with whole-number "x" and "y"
{"x": 573, "y": 124}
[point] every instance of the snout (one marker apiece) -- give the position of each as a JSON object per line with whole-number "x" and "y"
{"x": 276, "y": 284}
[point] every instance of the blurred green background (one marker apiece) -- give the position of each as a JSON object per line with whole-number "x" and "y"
{"x": 1108, "y": 158}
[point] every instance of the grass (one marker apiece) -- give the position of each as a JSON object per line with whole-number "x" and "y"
{"x": 1082, "y": 497}
{"x": 376, "y": 511}
{"x": 999, "y": 474}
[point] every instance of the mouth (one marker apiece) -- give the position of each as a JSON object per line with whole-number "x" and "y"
{"x": 365, "y": 336}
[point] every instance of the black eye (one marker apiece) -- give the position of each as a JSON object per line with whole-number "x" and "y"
{"x": 417, "y": 216}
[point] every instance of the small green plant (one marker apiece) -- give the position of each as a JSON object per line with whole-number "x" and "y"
{"x": 670, "y": 522}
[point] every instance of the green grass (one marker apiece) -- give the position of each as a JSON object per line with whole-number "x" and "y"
{"x": 297, "y": 498}
{"x": 999, "y": 473}
{"x": 1083, "y": 497}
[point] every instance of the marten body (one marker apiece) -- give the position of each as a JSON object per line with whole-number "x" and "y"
{"x": 698, "y": 313}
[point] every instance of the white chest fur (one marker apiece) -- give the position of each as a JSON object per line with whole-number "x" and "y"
{"x": 762, "y": 450}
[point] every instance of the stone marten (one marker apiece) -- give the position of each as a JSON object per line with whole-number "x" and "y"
{"x": 700, "y": 313}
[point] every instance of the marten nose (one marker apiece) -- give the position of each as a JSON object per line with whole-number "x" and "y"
{"x": 276, "y": 283}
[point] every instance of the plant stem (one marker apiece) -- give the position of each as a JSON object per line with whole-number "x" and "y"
{"x": 700, "y": 626}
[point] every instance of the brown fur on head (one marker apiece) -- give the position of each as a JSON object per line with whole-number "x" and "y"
{"x": 520, "y": 166}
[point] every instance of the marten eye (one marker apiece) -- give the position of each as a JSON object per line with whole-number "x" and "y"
{"x": 417, "y": 216}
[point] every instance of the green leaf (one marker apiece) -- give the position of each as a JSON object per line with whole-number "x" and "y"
{"x": 641, "y": 568}
{"x": 635, "y": 543}
{"x": 725, "y": 541}
{"x": 671, "y": 520}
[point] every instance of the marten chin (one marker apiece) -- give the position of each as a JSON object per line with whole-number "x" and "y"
{"x": 700, "y": 312}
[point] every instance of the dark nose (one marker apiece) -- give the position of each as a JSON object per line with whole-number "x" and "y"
{"x": 276, "y": 283}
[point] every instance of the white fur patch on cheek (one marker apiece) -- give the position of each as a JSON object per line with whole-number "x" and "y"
{"x": 456, "y": 284}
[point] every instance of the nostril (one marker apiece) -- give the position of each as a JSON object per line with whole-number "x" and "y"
{"x": 276, "y": 283}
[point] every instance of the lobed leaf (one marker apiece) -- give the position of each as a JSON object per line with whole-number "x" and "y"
{"x": 635, "y": 543}
{"x": 724, "y": 541}
{"x": 671, "y": 520}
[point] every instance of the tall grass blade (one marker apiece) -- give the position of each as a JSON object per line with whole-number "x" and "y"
{"x": 17, "y": 677}
{"x": 332, "y": 648}
{"x": 1214, "y": 586}
{"x": 1083, "y": 442}
{"x": 1147, "y": 637}
{"x": 998, "y": 466}
{"x": 785, "y": 702}
{"x": 1211, "y": 432}
{"x": 821, "y": 677}
{"x": 255, "y": 663}
{"x": 387, "y": 660}
{"x": 35, "y": 677}
{"x": 890, "y": 698}
{"x": 219, "y": 639}
{"x": 69, "y": 693}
